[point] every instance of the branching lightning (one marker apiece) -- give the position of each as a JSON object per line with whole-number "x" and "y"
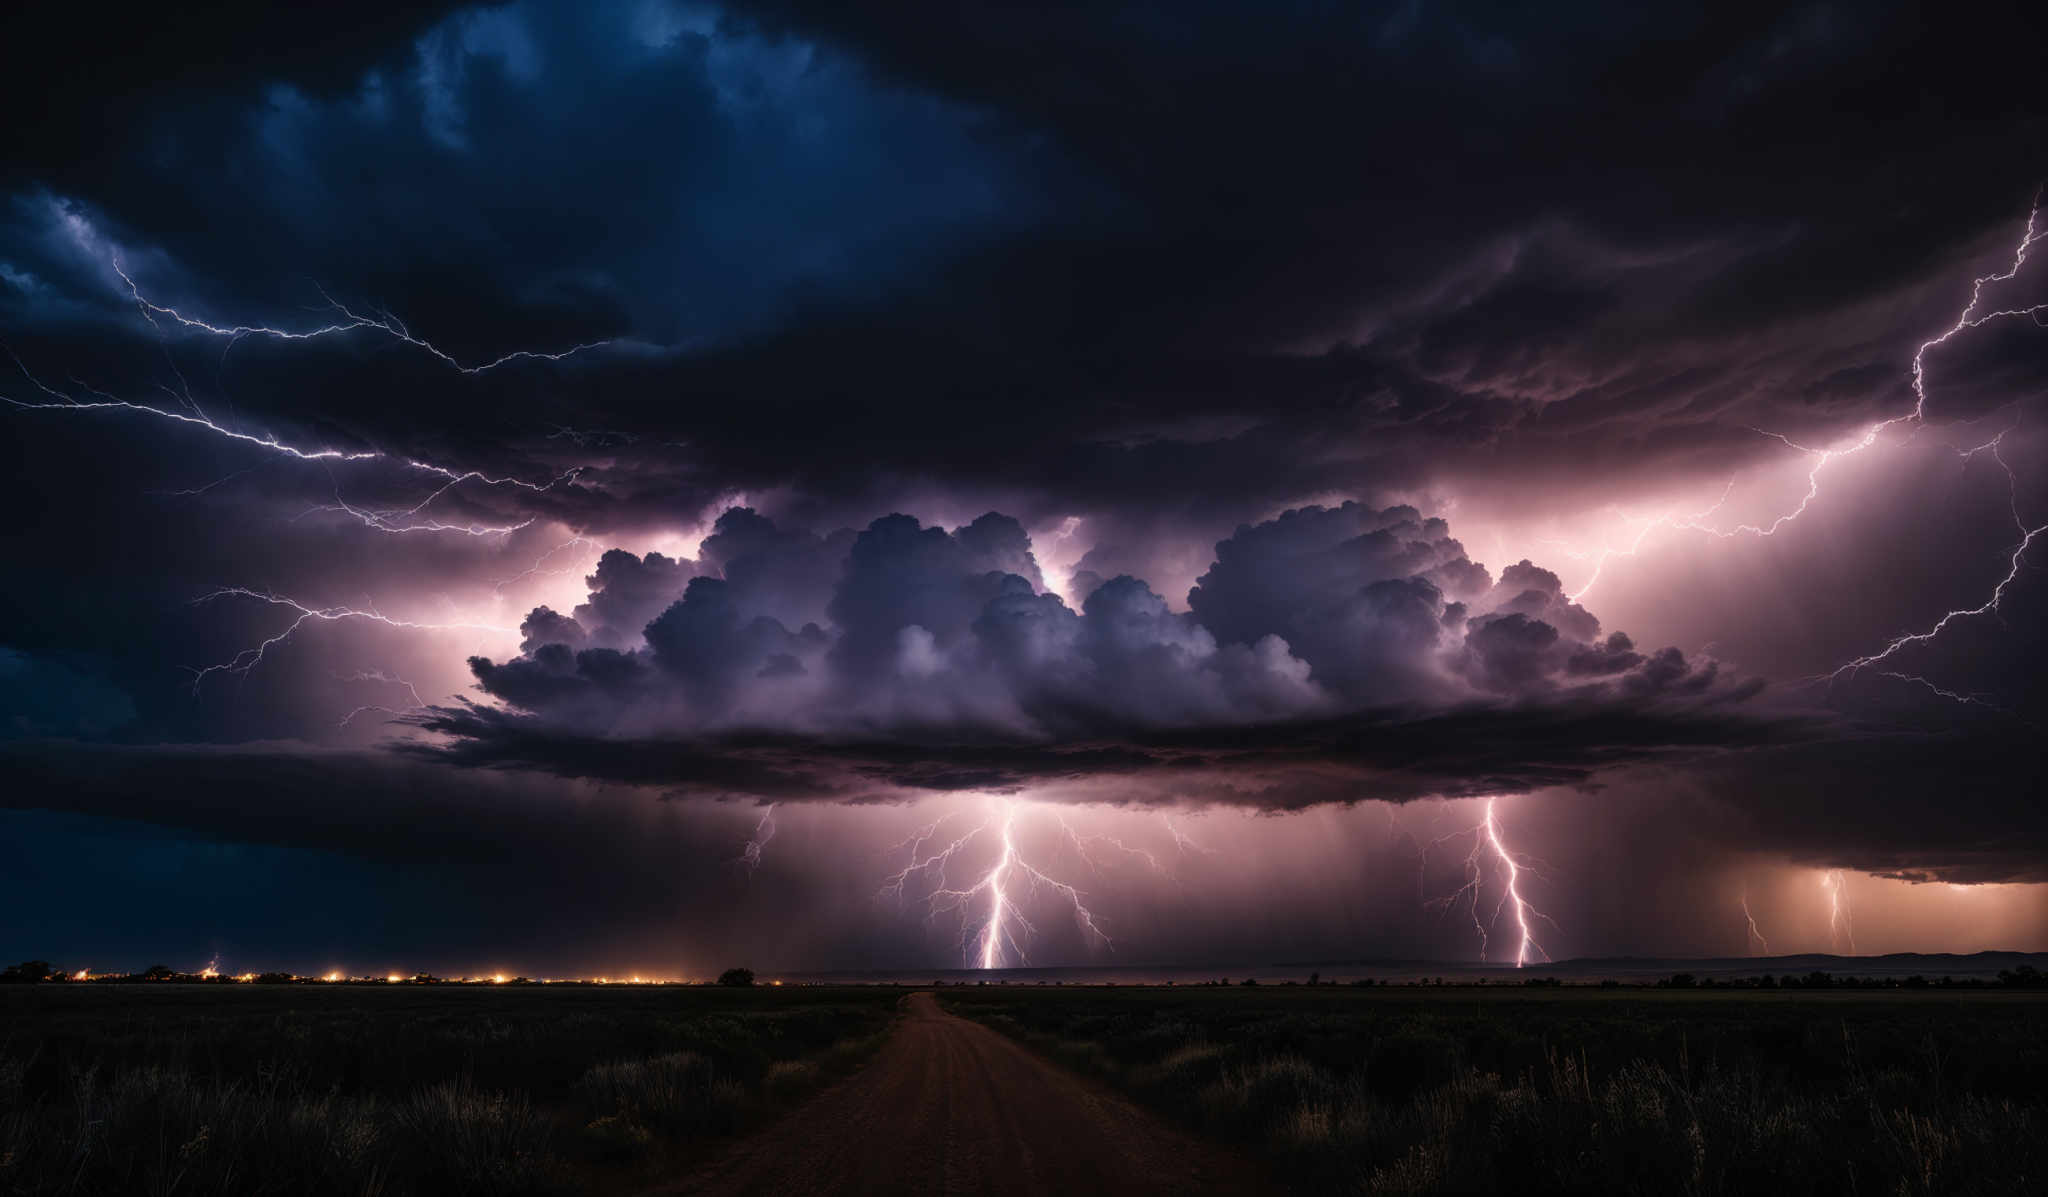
{"x": 2027, "y": 536}
{"x": 1081, "y": 845}
{"x": 247, "y": 659}
{"x": 764, "y": 830}
{"x": 1181, "y": 843}
{"x": 1971, "y": 317}
{"x": 999, "y": 935}
{"x": 350, "y": 321}
{"x": 541, "y": 569}
{"x": 379, "y": 676}
{"x": 1487, "y": 840}
{"x": 404, "y": 519}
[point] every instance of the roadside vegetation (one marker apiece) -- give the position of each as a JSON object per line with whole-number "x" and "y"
{"x": 394, "y": 1090}
{"x": 1578, "y": 1090}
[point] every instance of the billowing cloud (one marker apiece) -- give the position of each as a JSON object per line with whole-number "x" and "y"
{"x": 1227, "y": 316}
{"x": 1317, "y": 656}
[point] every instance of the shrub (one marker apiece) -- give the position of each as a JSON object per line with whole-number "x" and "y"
{"x": 460, "y": 1139}
{"x": 676, "y": 1094}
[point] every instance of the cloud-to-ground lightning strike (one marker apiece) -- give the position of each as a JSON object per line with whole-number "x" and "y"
{"x": 1752, "y": 932}
{"x": 764, "y": 830}
{"x": 1000, "y": 939}
{"x": 1487, "y": 839}
{"x": 350, "y": 321}
{"x": 1969, "y": 318}
{"x": 242, "y": 662}
{"x": 1840, "y": 929}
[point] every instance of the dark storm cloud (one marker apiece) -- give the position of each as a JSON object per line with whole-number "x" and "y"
{"x": 290, "y": 855}
{"x": 1146, "y": 276}
{"x": 1331, "y": 654}
{"x": 1659, "y": 274}
{"x": 1958, "y": 802}
{"x": 1372, "y": 756}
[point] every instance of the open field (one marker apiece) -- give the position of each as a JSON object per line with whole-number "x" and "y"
{"x": 167, "y": 1088}
{"x": 400, "y": 1089}
{"x": 1455, "y": 1090}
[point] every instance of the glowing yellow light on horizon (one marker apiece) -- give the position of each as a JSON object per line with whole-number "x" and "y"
{"x": 81, "y": 975}
{"x": 394, "y": 978}
{"x": 498, "y": 980}
{"x": 332, "y": 976}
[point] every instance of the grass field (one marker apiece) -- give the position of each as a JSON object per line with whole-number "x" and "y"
{"x": 333, "y": 1089}
{"x": 329, "y": 1089}
{"x": 1410, "y": 1090}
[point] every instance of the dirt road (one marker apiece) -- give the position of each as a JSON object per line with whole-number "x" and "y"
{"x": 949, "y": 1106}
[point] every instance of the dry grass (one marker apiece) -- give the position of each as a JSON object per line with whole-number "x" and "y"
{"x": 384, "y": 1094}
{"x": 1346, "y": 1092}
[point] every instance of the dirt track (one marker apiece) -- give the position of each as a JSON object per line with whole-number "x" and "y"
{"x": 949, "y": 1106}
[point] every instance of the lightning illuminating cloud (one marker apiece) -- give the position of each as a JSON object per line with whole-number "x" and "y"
{"x": 995, "y": 930}
{"x": 1969, "y": 318}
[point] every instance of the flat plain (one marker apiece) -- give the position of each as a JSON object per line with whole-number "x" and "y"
{"x": 164, "y": 1088}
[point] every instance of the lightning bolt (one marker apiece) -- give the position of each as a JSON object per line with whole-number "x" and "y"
{"x": 1752, "y": 932}
{"x": 2027, "y": 536}
{"x": 1080, "y": 843}
{"x": 350, "y": 321}
{"x": 764, "y": 830}
{"x": 1969, "y": 318}
{"x": 406, "y": 519}
{"x": 540, "y": 567}
{"x": 1487, "y": 840}
{"x": 411, "y": 519}
{"x": 1000, "y": 938}
{"x": 1181, "y": 843}
{"x": 1839, "y": 926}
{"x": 378, "y": 675}
{"x": 247, "y": 659}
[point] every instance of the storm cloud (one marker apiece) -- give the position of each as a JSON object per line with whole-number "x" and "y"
{"x": 1359, "y": 649}
{"x": 1225, "y": 409}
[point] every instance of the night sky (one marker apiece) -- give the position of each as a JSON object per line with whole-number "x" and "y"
{"x": 641, "y": 486}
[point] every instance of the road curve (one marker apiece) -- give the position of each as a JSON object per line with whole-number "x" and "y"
{"x": 948, "y": 1106}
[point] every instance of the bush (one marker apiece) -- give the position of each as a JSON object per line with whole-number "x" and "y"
{"x": 737, "y": 977}
{"x": 1514, "y": 1090}
{"x": 676, "y": 1094}
{"x": 401, "y": 1091}
{"x": 459, "y": 1139}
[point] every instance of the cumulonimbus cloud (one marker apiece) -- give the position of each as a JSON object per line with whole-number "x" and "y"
{"x": 1329, "y": 654}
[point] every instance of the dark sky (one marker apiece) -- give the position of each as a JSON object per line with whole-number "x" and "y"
{"x": 1240, "y": 476}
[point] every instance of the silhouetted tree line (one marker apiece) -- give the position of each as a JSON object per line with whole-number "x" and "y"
{"x": 2026, "y": 976}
